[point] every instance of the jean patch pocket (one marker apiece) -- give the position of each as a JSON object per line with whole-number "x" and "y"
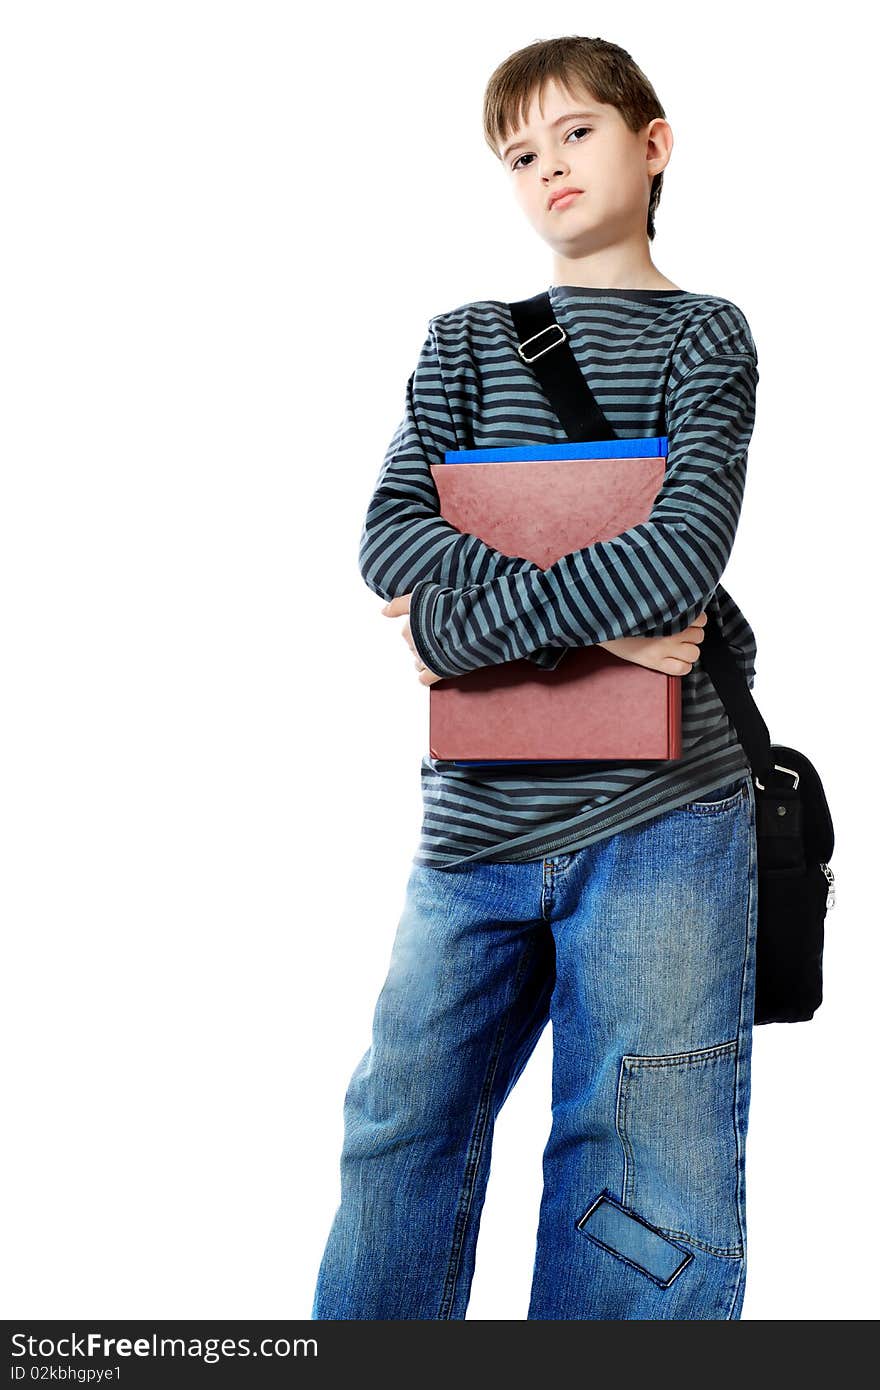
{"x": 675, "y": 1120}
{"x": 625, "y": 1234}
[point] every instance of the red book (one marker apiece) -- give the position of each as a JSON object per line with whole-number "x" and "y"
{"x": 541, "y": 502}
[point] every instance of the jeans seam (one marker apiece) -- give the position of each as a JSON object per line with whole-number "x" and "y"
{"x": 475, "y": 1149}
{"x": 736, "y": 1088}
{"x": 620, "y": 1116}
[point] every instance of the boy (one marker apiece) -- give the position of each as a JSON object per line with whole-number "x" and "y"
{"x": 618, "y": 900}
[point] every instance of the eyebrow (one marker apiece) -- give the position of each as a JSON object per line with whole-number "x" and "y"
{"x": 572, "y": 115}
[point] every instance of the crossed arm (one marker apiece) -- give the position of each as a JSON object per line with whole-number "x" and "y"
{"x": 405, "y": 540}
{"x": 471, "y": 606}
{"x": 672, "y": 656}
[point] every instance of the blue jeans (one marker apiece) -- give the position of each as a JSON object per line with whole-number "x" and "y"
{"x": 641, "y": 950}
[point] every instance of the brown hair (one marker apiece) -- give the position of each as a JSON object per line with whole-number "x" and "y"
{"x": 602, "y": 69}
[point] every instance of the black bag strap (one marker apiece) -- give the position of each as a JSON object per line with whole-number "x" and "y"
{"x": 565, "y": 385}
{"x": 544, "y": 346}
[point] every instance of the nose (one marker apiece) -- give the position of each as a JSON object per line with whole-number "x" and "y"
{"x": 552, "y": 173}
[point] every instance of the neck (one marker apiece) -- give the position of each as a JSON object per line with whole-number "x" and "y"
{"x": 614, "y": 268}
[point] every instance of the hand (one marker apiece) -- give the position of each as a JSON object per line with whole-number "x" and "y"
{"x": 394, "y": 609}
{"x": 674, "y": 655}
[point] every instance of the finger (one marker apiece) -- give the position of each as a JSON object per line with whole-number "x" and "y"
{"x": 395, "y": 606}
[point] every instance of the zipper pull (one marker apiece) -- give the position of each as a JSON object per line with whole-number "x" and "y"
{"x": 829, "y": 874}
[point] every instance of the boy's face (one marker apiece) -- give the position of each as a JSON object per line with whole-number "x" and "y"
{"x": 592, "y": 149}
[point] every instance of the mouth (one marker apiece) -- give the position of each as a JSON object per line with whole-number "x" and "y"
{"x": 565, "y": 200}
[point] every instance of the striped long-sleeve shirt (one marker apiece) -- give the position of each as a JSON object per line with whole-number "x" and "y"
{"x": 659, "y": 362}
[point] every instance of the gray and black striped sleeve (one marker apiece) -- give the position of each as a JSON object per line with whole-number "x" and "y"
{"x": 654, "y": 578}
{"x": 404, "y": 538}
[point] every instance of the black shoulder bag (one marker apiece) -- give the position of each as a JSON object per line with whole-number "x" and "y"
{"x": 795, "y": 836}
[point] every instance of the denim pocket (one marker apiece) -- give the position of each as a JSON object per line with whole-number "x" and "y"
{"x": 722, "y": 798}
{"x": 675, "y": 1120}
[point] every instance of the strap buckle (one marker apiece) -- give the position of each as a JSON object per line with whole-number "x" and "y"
{"x": 549, "y": 329}
{"x": 777, "y": 767}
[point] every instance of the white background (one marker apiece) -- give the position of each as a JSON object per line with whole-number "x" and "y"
{"x": 223, "y": 236}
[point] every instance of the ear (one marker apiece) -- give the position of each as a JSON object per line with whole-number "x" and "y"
{"x": 659, "y": 145}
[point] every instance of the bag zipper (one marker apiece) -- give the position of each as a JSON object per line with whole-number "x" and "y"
{"x": 829, "y": 874}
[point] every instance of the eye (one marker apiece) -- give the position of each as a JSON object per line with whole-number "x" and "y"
{"x": 576, "y": 131}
